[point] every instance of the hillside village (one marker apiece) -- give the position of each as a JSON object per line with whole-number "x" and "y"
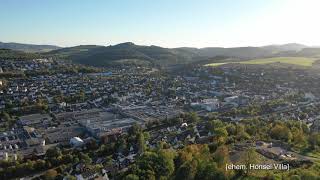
{"x": 159, "y": 90}
{"x": 44, "y": 108}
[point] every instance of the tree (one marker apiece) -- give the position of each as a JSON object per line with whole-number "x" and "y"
{"x": 193, "y": 117}
{"x": 84, "y": 158}
{"x": 241, "y": 133}
{"x": 314, "y": 141}
{"x": 50, "y": 174}
{"x": 134, "y": 129}
{"x": 92, "y": 145}
{"x": 41, "y": 105}
{"x": 70, "y": 177}
{"x": 231, "y": 129}
{"x": 6, "y": 116}
{"x": 221, "y": 156}
{"x": 8, "y": 120}
{"x": 214, "y": 124}
{"x": 121, "y": 144}
{"x": 131, "y": 177}
{"x": 141, "y": 143}
{"x": 53, "y": 153}
{"x": 187, "y": 171}
{"x": 219, "y": 131}
{"x": 298, "y": 138}
{"x": 158, "y": 163}
{"x": 250, "y": 156}
{"x": 67, "y": 158}
{"x": 281, "y": 132}
{"x": 220, "y": 134}
{"x": 209, "y": 171}
{"x": 295, "y": 177}
{"x": 81, "y": 95}
{"x": 39, "y": 165}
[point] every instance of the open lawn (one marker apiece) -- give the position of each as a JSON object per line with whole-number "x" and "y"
{"x": 314, "y": 155}
{"x": 302, "y": 61}
{"x": 216, "y": 64}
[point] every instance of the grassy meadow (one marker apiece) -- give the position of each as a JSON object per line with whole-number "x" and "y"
{"x": 302, "y": 61}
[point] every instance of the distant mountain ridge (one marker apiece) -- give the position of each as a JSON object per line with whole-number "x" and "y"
{"x": 129, "y": 52}
{"x": 286, "y": 47}
{"x": 9, "y": 54}
{"x": 28, "y": 47}
{"x": 104, "y": 55}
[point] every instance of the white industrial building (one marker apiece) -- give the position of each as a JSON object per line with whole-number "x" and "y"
{"x": 76, "y": 142}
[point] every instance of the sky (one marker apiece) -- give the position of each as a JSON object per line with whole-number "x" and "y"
{"x": 167, "y": 23}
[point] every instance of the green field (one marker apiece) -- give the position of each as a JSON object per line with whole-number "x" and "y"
{"x": 217, "y": 64}
{"x": 302, "y": 61}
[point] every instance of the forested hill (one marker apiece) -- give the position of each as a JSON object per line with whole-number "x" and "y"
{"x": 8, "y": 54}
{"x": 104, "y": 55}
{"x": 27, "y": 47}
{"x": 138, "y": 54}
{"x": 129, "y": 52}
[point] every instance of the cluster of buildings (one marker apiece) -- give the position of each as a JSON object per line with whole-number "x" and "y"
{"x": 35, "y": 133}
{"x": 21, "y": 142}
{"x": 23, "y": 65}
{"x": 85, "y": 105}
